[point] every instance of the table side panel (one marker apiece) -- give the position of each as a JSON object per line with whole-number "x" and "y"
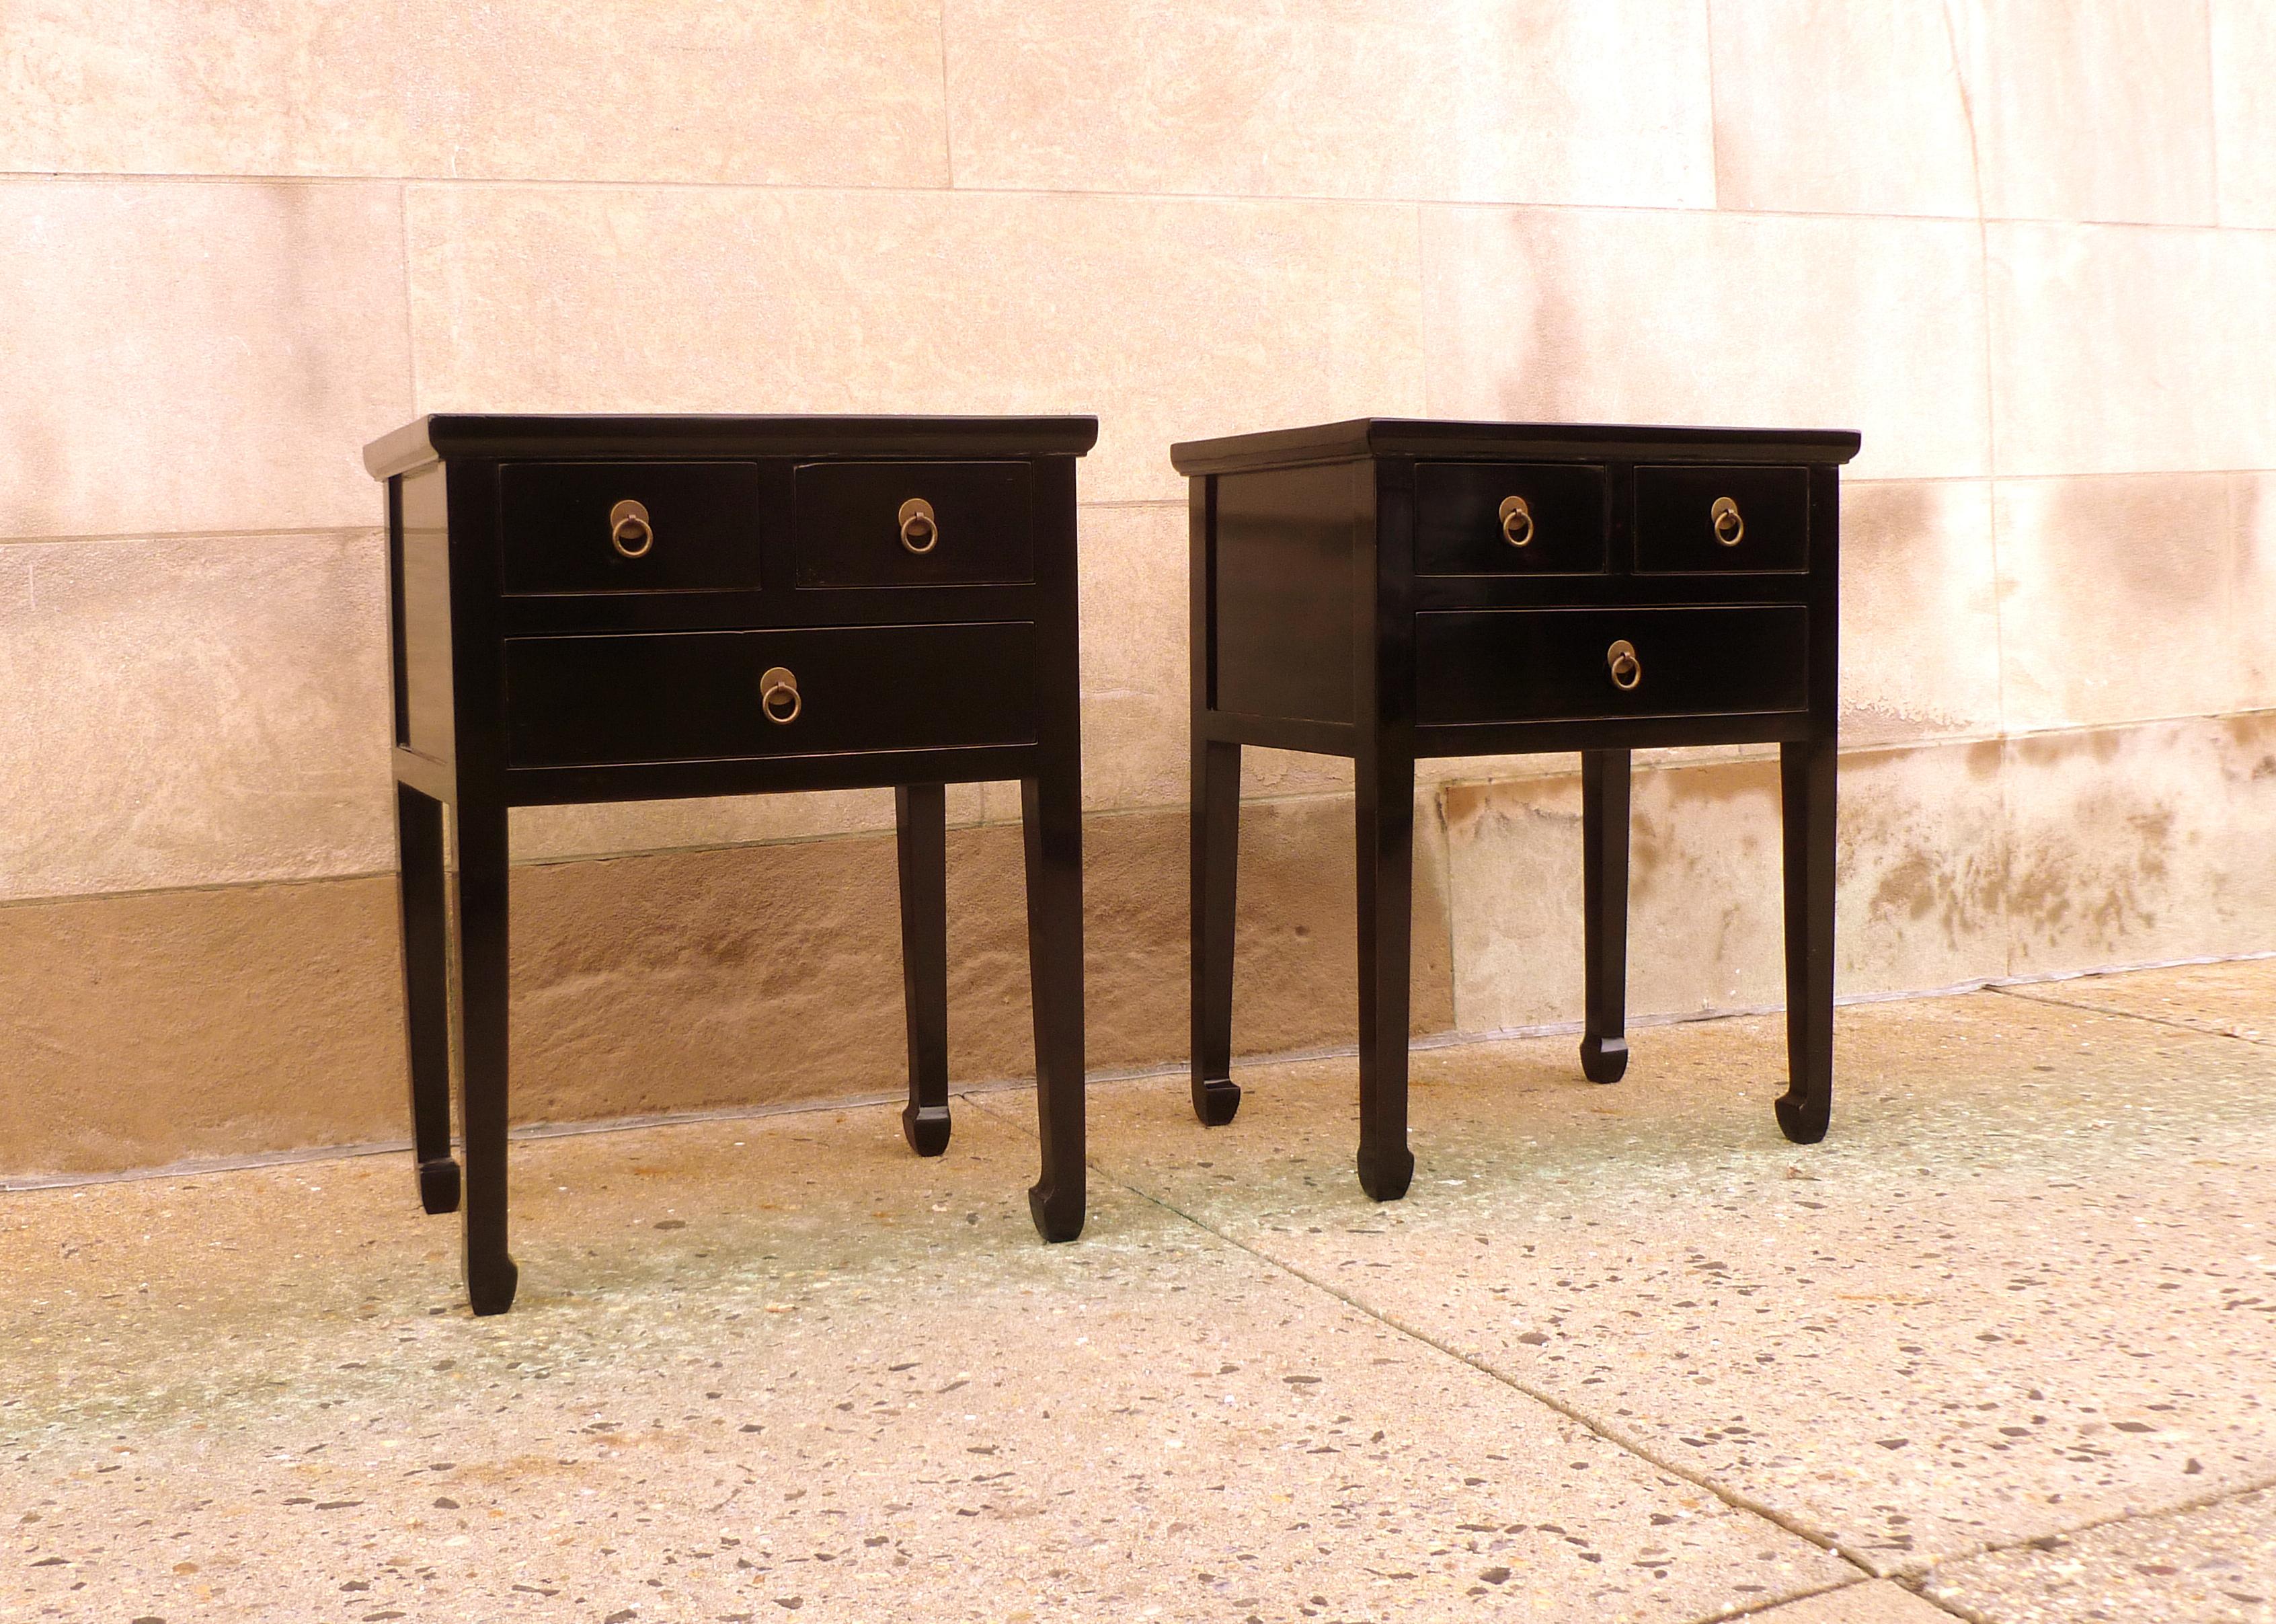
{"x": 419, "y": 613}
{"x": 1285, "y": 556}
{"x": 1825, "y": 583}
{"x": 477, "y": 663}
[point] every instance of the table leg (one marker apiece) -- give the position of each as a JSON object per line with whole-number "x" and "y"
{"x": 1051, "y": 810}
{"x": 1385, "y": 819}
{"x": 1605, "y": 902}
{"x": 921, "y": 841}
{"x": 1215, "y": 870}
{"x": 423, "y": 899}
{"x": 1806, "y": 772}
{"x": 490, "y": 1274}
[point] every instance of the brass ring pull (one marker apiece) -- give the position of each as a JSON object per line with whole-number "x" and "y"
{"x": 778, "y": 696}
{"x": 1730, "y": 528}
{"x": 920, "y": 530}
{"x": 1516, "y": 522}
{"x": 629, "y": 530}
{"x": 1626, "y": 670}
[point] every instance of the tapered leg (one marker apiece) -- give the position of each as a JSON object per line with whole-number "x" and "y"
{"x": 1216, "y": 864}
{"x": 489, "y": 1271}
{"x": 1052, "y": 807}
{"x": 1605, "y": 900}
{"x": 1806, "y": 776}
{"x": 1386, "y": 820}
{"x": 422, "y": 894}
{"x": 920, "y": 831}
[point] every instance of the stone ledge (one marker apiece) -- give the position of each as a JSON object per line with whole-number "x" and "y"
{"x": 152, "y": 1028}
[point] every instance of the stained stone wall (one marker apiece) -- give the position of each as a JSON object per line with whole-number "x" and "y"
{"x": 2027, "y": 247}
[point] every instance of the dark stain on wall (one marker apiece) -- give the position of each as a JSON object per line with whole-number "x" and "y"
{"x": 1935, "y": 863}
{"x": 2094, "y": 856}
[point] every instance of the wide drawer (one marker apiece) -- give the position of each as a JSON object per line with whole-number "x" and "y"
{"x": 1558, "y": 664}
{"x": 594, "y": 701}
{"x": 1697, "y": 521}
{"x": 914, "y": 524}
{"x": 629, "y": 527}
{"x": 1508, "y": 517}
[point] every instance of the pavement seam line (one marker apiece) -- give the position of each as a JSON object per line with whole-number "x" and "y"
{"x": 2131, "y": 1014}
{"x": 1958, "y": 1610}
{"x": 2178, "y": 1509}
{"x": 1913, "y": 1580}
{"x": 1732, "y": 1498}
{"x": 1759, "y": 1609}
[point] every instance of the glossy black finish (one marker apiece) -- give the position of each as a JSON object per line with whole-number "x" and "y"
{"x": 1288, "y": 586}
{"x": 1490, "y": 665}
{"x": 1675, "y": 531}
{"x": 424, "y": 894}
{"x": 1355, "y": 593}
{"x": 490, "y": 1275}
{"x": 981, "y": 509}
{"x": 1805, "y": 784}
{"x": 1052, "y": 814}
{"x": 553, "y": 525}
{"x": 684, "y": 697}
{"x": 1458, "y": 529}
{"x": 1605, "y": 906}
{"x": 535, "y": 663}
{"x": 921, "y": 849}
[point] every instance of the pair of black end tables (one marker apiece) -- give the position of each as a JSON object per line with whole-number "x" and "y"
{"x": 599, "y": 609}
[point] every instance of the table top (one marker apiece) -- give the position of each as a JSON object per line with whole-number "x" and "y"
{"x": 1415, "y": 436}
{"x": 455, "y": 434}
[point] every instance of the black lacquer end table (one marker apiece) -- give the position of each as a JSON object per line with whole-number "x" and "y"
{"x": 599, "y": 609}
{"x": 1389, "y": 589}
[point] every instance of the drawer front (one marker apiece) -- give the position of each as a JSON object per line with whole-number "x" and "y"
{"x": 1692, "y": 521}
{"x": 914, "y": 524}
{"x": 1557, "y": 665}
{"x": 668, "y": 696}
{"x": 1508, "y": 519}
{"x": 629, "y": 527}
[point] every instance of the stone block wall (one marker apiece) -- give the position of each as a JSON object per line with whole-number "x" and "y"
{"x": 2027, "y": 247}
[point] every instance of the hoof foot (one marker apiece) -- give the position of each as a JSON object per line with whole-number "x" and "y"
{"x": 1216, "y": 1101}
{"x": 490, "y": 1290}
{"x": 1384, "y": 1176}
{"x": 438, "y": 1185}
{"x": 1604, "y": 1060}
{"x": 926, "y": 1129}
{"x": 1057, "y": 1219}
{"x": 1802, "y": 1120}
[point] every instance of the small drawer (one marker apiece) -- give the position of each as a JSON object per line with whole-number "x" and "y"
{"x": 629, "y": 527}
{"x": 668, "y": 696}
{"x": 1508, "y": 519}
{"x": 914, "y": 524}
{"x": 1565, "y": 664}
{"x": 1693, "y": 521}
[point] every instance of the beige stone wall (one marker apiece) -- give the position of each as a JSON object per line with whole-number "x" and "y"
{"x": 2026, "y": 247}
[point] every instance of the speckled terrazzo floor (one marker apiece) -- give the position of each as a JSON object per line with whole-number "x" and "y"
{"x": 2000, "y": 1349}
